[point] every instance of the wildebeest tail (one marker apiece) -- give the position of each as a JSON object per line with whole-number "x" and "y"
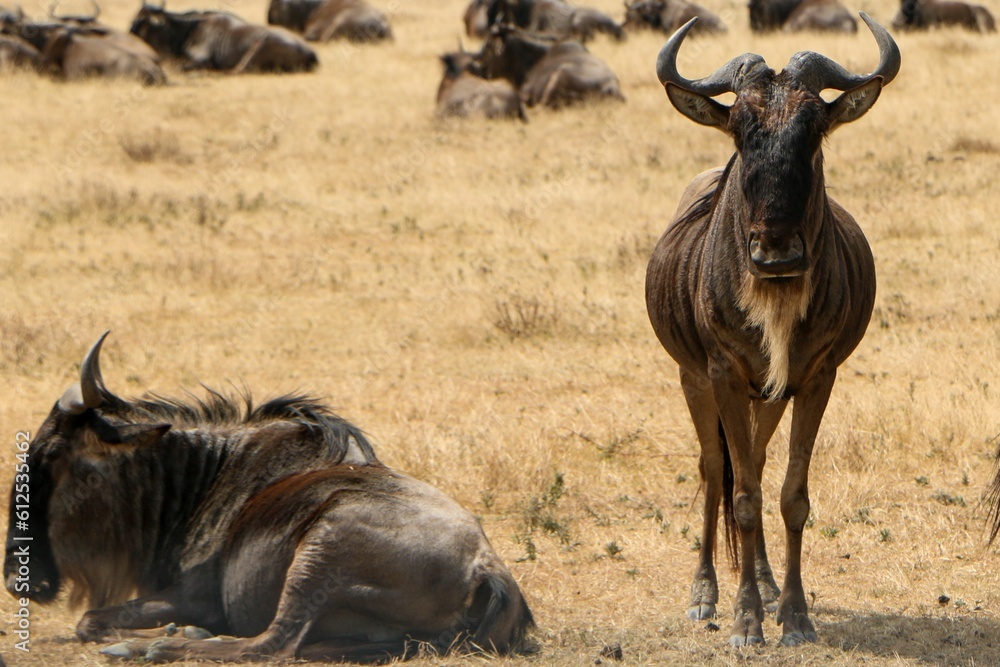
{"x": 728, "y": 483}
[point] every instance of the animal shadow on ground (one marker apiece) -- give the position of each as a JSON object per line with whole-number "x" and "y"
{"x": 949, "y": 639}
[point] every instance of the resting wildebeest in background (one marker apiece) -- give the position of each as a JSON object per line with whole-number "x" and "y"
{"x": 545, "y": 71}
{"x": 759, "y": 289}
{"x": 75, "y": 53}
{"x": 354, "y": 20}
{"x": 669, "y": 15}
{"x": 463, "y": 93}
{"x": 274, "y": 523}
{"x": 221, "y": 41}
{"x": 798, "y": 15}
{"x": 924, "y": 14}
{"x": 74, "y": 47}
{"x": 554, "y": 18}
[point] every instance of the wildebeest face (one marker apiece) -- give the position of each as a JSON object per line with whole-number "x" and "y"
{"x": 150, "y": 25}
{"x": 778, "y": 129}
{"x": 29, "y": 566}
{"x": 54, "y": 487}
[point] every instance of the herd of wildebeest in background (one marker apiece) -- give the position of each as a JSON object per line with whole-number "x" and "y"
{"x": 533, "y": 51}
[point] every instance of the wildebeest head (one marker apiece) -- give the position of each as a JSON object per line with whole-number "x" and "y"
{"x": 74, "y": 435}
{"x": 158, "y": 28}
{"x": 509, "y": 53}
{"x": 778, "y": 122}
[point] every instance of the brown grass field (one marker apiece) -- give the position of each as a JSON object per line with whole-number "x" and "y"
{"x": 471, "y": 294}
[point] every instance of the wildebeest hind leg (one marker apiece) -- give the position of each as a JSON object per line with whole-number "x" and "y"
{"x": 705, "y": 415}
{"x": 251, "y": 60}
{"x": 765, "y": 416}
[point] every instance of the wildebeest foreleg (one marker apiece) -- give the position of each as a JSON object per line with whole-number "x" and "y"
{"x": 734, "y": 409}
{"x": 766, "y": 416}
{"x": 152, "y": 611}
{"x": 705, "y": 415}
{"x": 810, "y": 404}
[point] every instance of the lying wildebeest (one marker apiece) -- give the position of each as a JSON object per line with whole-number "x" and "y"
{"x": 72, "y": 54}
{"x": 759, "y": 289}
{"x": 463, "y": 93}
{"x": 669, "y": 15}
{"x": 923, "y": 14}
{"x": 276, "y": 524}
{"x": 74, "y": 47}
{"x": 354, "y": 20}
{"x": 554, "y": 18}
{"x": 545, "y": 71}
{"x": 798, "y": 15}
{"x": 221, "y": 41}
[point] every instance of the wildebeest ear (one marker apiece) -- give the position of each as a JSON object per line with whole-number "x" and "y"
{"x": 854, "y": 103}
{"x": 699, "y": 108}
{"x": 134, "y": 435}
{"x": 140, "y": 435}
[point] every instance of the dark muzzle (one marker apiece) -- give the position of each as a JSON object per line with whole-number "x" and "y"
{"x": 772, "y": 255}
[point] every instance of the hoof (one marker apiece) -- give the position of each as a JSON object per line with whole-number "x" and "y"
{"x": 194, "y": 632}
{"x": 771, "y": 607}
{"x": 120, "y": 650}
{"x": 701, "y": 612}
{"x": 740, "y": 641}
{"x": 798, "y": 638}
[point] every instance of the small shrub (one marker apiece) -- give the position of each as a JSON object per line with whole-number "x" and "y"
{"x": 522, "y": 317}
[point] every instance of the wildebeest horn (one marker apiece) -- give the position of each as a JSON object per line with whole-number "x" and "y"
{"x": 818, "y": 72}
{"x": 97, "y": 10}
{"x": 87, "y": 393}
{"x": 727, "y": 79}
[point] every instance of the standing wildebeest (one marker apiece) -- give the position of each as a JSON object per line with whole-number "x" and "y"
{"x": 547, "y": 72}
{"x": 463, "y": 93}
{"x": 798, "y": 15}
{"x": 924, "y": 14}
{"x": 354, "y": 20}
{"x": 669, "y": 15}
{"x": 221, "y": 41}
{"x": 553, "y": 18}
{"x": 760, "y": 288}
{"x": 276, "y": 523}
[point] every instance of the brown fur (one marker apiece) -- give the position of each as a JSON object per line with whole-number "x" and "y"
{"x": 759, "y": 289}
{"x": 354, "y": 20}
{"x": 274, "y": 523}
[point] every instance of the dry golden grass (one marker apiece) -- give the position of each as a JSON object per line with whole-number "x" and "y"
{"x": 471, "y": 294}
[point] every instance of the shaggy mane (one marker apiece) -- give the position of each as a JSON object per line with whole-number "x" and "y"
{"x": 219, "y": 409}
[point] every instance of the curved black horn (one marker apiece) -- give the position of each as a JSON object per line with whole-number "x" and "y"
{"x": 91, "y": 381}
{"x": 97, "y": 10}
{"x": 87, "y": 393}
{"x": 817, "y": 72}
{"x": 727, "y": 79}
